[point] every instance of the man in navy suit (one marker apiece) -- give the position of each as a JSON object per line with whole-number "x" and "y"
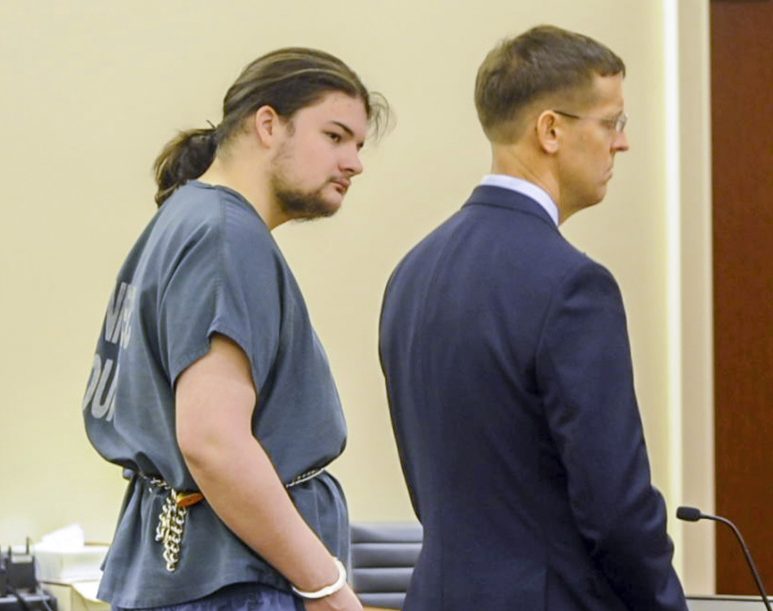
{"x": 508, "y": 366}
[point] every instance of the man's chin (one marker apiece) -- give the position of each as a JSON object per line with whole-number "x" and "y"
{"x": 319, "y": 210}
{"x": 304, "y": 206}
{"x": 600, "y": 195}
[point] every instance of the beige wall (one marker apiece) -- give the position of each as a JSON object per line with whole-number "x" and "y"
{"x": 92, "y": 89}
{"x": 694, "y": 462}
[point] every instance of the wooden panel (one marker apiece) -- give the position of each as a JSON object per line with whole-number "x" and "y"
{"x": 742, "y": 143}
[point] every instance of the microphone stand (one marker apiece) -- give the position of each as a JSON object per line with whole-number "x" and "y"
{"x": 692, "y": 514}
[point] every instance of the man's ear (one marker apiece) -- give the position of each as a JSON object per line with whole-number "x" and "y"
{"x": 267, "y": 125}
{"x": 548, "y": 132}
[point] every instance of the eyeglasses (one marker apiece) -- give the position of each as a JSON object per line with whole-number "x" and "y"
{"x": 617, "y": 124}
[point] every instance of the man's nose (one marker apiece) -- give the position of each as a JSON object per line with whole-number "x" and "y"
{"x": 352, "y": 164}
{"x": 621, "y": 142}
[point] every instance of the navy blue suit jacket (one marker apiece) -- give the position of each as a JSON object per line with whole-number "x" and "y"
{"x": 509, "y": 378}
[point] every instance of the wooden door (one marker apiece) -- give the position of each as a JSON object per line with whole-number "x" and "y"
{"x": 742, "y": 166}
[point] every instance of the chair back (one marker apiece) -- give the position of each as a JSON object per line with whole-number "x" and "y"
{"x": 383, "y": 557}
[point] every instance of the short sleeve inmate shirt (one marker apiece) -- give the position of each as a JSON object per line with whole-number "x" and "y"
{"x": 207, "y": 264}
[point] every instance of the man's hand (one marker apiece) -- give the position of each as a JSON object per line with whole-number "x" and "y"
{"x": 343, "y": 600}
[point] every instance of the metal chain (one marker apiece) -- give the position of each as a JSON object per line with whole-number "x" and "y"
{"x": 171, "y": 521}
{"x": 170, "y": 529}
{"x": 304, "y": 477}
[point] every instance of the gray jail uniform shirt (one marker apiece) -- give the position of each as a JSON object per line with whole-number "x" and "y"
{"x": 207, "y": 264}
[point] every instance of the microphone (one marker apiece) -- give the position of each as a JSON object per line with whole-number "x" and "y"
{"x": 689, "y": 514}
{"x": 693, "y": 514}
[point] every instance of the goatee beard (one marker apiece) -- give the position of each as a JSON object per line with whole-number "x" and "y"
{"x": 301, "y": 205}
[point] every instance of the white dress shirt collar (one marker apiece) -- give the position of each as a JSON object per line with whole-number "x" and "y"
{"x": 529, "y": 189}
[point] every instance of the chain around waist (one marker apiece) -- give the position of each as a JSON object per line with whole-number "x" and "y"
{"x": 188, "y": 498}
{"x": 171, "y": 520}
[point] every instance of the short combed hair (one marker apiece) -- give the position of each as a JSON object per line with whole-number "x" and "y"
{"x": 288, "y": 80}
{"x": 544, "y": 60}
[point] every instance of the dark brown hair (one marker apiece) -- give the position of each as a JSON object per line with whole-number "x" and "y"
{"x": 542, "y": 61}
{"x": 287, "y": 80}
